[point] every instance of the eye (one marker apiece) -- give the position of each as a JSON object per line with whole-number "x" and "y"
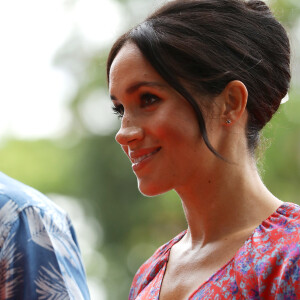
{"x": 118, "y": 110}
{"x": 148, "y": 99}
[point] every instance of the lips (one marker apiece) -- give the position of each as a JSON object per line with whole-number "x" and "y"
{"x": 140, "y": 157}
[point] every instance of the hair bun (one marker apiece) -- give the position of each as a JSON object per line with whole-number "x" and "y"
{"x": 258, "y": 5}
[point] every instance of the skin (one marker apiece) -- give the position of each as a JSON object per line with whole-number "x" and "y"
{"x": 223, "y": 202}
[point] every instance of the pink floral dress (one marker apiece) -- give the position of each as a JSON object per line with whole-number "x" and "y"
{"x": 267, "y": 266}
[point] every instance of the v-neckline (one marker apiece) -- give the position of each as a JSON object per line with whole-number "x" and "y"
{"x": 182, "y": 234}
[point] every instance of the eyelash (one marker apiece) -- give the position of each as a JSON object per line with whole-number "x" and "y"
{"x": 148, "y": 96}
{"x": 118, "y": 110}
{"x": 145, "y": 98}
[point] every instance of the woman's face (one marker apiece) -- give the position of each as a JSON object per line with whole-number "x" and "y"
{"x": 159, "y": 130}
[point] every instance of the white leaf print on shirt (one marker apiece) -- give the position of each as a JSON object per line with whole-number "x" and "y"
{"x": 56, "y": 285}
{"x": 8, "y": 215}
{"x": 46, "y": 233}
{"x": 10, "y": 276}
{"x": 38, "y": 228}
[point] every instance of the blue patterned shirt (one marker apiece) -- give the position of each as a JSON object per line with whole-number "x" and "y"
{"x": 39, "y": 253}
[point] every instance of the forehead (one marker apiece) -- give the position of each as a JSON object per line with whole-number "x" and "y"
{"x": 130, "y": 66}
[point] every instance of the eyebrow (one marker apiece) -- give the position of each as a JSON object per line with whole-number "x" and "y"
{"x": 136, "y": 86}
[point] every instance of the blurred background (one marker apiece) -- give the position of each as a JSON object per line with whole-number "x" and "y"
{"x": 57, "y": 130}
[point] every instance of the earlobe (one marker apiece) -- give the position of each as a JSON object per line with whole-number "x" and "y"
{"x": 235, "y": 100}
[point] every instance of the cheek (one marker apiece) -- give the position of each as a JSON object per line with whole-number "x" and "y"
{"x": 180, "y": 120}
{"x": 181, "y": 142}
{"x": 162, "y": 124}
{"x": 175, "y": 131}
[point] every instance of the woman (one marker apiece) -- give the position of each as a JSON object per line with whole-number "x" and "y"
{"x": 194, "y": 84}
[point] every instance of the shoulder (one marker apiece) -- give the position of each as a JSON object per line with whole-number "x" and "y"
{"x": 24, "y": 210}
{"x": 23, "y": 196}
{"x": 269, "y": 262}
{"x": 279, "y": 233}
{"x": 150, "y": 269}
{"x": 283, "y": 224}
{"x": 38, "y": 245}
{"x": 18, "y": 199}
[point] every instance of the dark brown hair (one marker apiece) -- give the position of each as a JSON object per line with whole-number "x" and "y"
{"x": 207, "y": 44}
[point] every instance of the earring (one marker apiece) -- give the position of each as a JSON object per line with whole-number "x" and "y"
{"x": 228, "y": 121}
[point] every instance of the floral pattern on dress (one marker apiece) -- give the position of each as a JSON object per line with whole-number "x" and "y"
{"x": 267, "y": 266}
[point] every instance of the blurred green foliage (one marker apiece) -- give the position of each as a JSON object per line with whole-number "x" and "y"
{"x": 287, "y": 11}
{"x": 94, "y": 169}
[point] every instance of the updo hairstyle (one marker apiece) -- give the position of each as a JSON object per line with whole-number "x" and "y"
{"x": 199, "y": 46}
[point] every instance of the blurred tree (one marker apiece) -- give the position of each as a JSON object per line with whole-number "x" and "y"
{"x": 287, "y": 11}
{"x": 43, "y": 164}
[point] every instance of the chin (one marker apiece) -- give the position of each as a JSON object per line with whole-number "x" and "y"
{"x": 151, "y": 190}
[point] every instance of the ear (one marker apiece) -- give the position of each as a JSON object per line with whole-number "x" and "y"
{"x": 235, "y": 96}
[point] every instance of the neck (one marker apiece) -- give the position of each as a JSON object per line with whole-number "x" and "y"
{"x": 230, "y": 200}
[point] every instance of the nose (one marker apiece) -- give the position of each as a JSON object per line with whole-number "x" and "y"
{"x": 128, "y": 134}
